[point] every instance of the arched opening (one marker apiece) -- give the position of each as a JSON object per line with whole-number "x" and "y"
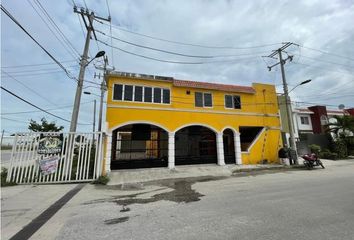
{"x": 139, "y": 146}
{"x": 229, "y": 146}
{"x": 195, "y": 145}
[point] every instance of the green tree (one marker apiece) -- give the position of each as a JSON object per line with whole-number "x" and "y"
{"x": 343, "y": 127}
{"x": 44, "y": 126}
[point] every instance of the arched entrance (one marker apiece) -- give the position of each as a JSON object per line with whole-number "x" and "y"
{"x": 195, "y": 145}
{"x": 229, "y": 146}
{"x": 139, "y": 146}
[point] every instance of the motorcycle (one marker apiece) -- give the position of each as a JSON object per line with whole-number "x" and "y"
{"x": 311, "y": 160}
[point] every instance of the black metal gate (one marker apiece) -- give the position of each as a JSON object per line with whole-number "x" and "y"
{"x": 195, "y": 145}
{"x": 139, "y": 146}
{"x": 229, "y": 146}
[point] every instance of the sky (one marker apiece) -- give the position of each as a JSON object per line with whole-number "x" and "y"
{"x": 224, "y": 41}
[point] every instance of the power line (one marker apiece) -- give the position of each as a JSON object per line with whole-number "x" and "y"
{"x": 37, "y": 64}
{"x": 13, "y": 94}
{"x": 110, "y": 31}
{"x": 35, "y": 111}
{"x": 322, "y": 68}
{"x": 36, "y": 74}
{"x": 190, "y": 44}
{"x": 40, "y": 70}
{"x": 35, "y": 106}
{"x": 172, "y": 61}
{"x": 176, "y": 53}
{"x": 329, "y": 62}
{"x": 324, "y": 52}
{"x": 147, "y": 57}
{"x": 23, "y": 29}
{"x": 35, "y": 92}
{"x": 313, "y": 103}
{"x": 14, "y": 120}
{"x": 54, "y": 34}
{"x": 57, "y": 28}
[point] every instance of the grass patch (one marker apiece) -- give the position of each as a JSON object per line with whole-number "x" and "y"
{"x": 103, "y": 180}
{"x": 3, "y": 179}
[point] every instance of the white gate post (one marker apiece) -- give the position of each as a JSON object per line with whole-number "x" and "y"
{"x": 220, "y": 149}
{"x": 108, "y": 152}
{"x": 171, "y": 150}
{"x": 237, "y": 142}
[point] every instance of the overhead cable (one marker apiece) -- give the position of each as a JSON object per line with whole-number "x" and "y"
{"x": 172, "y": 61}
{"x": 45, "y": 50}
{"x": 190, "y": 44}
{"x": 176, "y": 53}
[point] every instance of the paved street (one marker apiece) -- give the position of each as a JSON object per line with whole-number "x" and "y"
{"x": 270, "y": 204}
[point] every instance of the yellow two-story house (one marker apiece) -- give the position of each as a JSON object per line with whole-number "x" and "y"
{"x": 155, "y": 121}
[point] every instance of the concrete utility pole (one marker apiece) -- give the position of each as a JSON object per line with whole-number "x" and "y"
{"x": 287, "y": 103}
{"x": 94, "y": 116}
{"x": 83, "y": 62}
{"x": 103, "y": 90}
{"x": 2, "y": 136}
{"x": 286, "y": 93}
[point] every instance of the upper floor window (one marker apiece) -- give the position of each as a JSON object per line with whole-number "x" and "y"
{"x": 233, "y": 101}
{"x": 203, "y": 99}
{"x": 141, "y": 94}
{"x": 128, "y": 93}
{"x": 304, "y": 120}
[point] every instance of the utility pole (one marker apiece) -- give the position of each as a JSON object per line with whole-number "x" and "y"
{"x": 94, "y": 116}
{"x": 2, "y": 136}
{"x": 103, "y": 90}
{"x": 286, "y": 93}
{"x": 83, "y": 62}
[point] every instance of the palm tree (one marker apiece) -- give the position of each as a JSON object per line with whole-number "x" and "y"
{"x": 344, "y": 126}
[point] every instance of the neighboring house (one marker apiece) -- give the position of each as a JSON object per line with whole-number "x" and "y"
{"x": 310, "y": 120}
{"x": 155, "y": 121}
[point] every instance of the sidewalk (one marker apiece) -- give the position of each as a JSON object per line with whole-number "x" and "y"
{"x": 206, "y": 170}
{"x": 22, "y": 203}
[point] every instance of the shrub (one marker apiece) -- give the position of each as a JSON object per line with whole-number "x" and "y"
{"x": 340, "y": 147}
{"x": 350, "y": 145}
{"x": 101, "y": 180}
{"x": 315, "y": 148}
{"x": 3, "y": 178}
{"x": 327, "y": 154}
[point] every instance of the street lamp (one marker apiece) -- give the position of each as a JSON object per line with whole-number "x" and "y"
{"x": 90, "y": 93}
{"x": 289, "y": 113}
{"x": 100, "y": 111}
{"x": 98, "y": 55}
{"x": 83, "y": 65}
{"x": 302, "y": 83}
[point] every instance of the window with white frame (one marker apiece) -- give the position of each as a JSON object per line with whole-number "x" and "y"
{"x": 203, "y": 99}
{"x": 141, "y": 94}
{"x": 305, "y": 120}
{"x": 233, "y": 101}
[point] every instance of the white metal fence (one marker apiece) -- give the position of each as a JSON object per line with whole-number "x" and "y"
{"x": 78, "y": 157}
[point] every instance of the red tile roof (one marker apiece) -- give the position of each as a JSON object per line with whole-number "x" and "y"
{"x": 213, "y": 86}
{"x": 335, "y": 111}
{"x": 305, "y": 110}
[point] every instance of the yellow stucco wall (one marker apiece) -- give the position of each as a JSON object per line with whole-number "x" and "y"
{"x": 259, "y": 109}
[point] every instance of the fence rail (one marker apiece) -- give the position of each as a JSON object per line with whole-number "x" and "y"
{"x": 47, "y": 157}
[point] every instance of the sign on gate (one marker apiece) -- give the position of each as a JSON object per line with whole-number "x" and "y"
{"x": 52, "y": 157}
{"x": 49, "y": 165}
{"x": 50, "y": 143}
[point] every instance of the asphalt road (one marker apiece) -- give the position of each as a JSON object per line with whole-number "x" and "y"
{"x": 296, "y": 204}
